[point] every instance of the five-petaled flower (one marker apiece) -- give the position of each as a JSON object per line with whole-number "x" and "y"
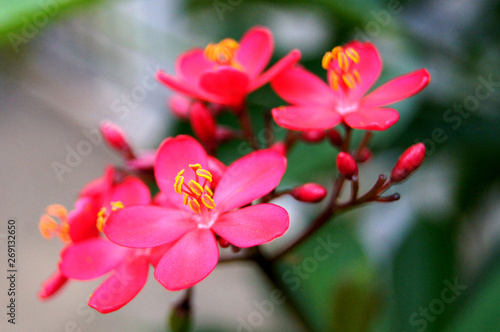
{"x": 351, "y": 71}
{"x": 202, "y": 201}
{"x": 87, "y": 255}
{"x": 226, "y": 72}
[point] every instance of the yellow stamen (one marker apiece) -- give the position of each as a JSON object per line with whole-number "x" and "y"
{"x": 101, "y": 219}
{"x": 334, "y": 81}
{"x": 352, "y": 54}
{"x": 222, "y": 53}
{"x": 196, "y": 188}
{"x": 204, "y": 174}
{"x": 49, "y": 227}
{"x": 116, "y": 205}
{"x": 102, "y": 215}
{"x": 344, "y": 58}
{"x": 356, "y": 74}
{"x": 208, "y": 201}
{"x": 196, "y": 194}
{"x": 57, "y": 210}
{"x": 195, "y": 167}
{"x": 327, "y": 58}
{"x": 349, "y": 80}
{"x": 195, "y": 206}
{"x": 208, "y": 191}
{"x": 179, "y": 180}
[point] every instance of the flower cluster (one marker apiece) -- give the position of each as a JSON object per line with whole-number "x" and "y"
{"x": 203, "y": 206}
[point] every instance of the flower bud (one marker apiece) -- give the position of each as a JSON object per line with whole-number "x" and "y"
{"x": 203, "y": 123}
{"x": 115, "y": 137}
{"x": 180, "y": 106}
{"x": 334, "y": 137}
{"x": 279, "y": 147}
{"x": 409, "y": 161}
{"x": 223, "y": 133}
{"x": 313, "y": 136}
{"x": 346, "y": 165}
{"x": 364, "y": 155}
{"x": 309, "y": 193}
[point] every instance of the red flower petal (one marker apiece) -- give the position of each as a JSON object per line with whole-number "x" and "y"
{"x": 192, "y": 65}
{"x": 189, "y": 261}
{"x": 122, "y": 286}
{"x": 175, "y": 154}
{"x": 256, "y": 48}
{"x": 249, "y": 178}
{"x": 372, "y": 118}
{"x": 225, "y": 81}
{"x": 158, "y": 252}
{"x": 398, "y": 89}
{"x": 301, "y": 87}
{"x": 91, "y": 258}
{"x": 306, "y": 117}
{"x": 252, "y": 225}
{"x": 52, "y": 285}
{"x": 142, "y": 226}
{"x": 217, "y": 168}
{"x": 369, "y": 68}
{"x": 130, "y": 192}
{"x": 286, "y": 62}
{"x": 82, "y": 219}
{"x": 184, "y": 87}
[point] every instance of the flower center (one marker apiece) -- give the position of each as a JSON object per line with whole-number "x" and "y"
{"x": 102, "y": 215}
{"x": 339, "y": 62}
{"x": 49, "y": 227}
{"x": 223, "y": 53}
{"x": 196, "y": 195}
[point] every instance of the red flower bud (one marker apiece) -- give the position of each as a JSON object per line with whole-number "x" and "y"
{"x": 364, "y": 155}
{"x": 309, "y": 193}
{"x": 279, "y": 147}
{"x": 313, "y": 136}
{"x": 334, "y": 137}
{"x": 180, "y": 106}
{"x": 203, "y": 123}
{"x": 346, "y": 165}
{"x": 223, "y": 133}
{"x": 115, "y": 137}
{"x": 409, "y": 161}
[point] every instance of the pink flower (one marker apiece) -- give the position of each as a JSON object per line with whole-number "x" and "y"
{"x": 87, "y": 255}
{"x": 352, "y": 70}
{"x": 199, "y": 203}
{"x": 226, "y": 72}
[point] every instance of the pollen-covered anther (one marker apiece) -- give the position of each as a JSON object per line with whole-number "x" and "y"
{"x": 339, "y": 64}
{"x": 49, "y": 227}
{"x": 102, "y": 215}
{"x": 222, "y": 53}
{"x": 196, "y": 193}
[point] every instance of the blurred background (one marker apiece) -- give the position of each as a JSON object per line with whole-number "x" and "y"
{"x": 429, "y": 262}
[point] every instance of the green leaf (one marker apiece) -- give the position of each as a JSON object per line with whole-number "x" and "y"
{"x": 480, "y": 309}
{"x": 421, "y": 270}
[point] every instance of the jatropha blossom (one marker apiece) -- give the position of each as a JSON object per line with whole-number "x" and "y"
{"x": 226, "y": 72}
{"x": 87, "y": 255}
{"x": 351, "y": 71}
{"x": 200, "y": 208}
